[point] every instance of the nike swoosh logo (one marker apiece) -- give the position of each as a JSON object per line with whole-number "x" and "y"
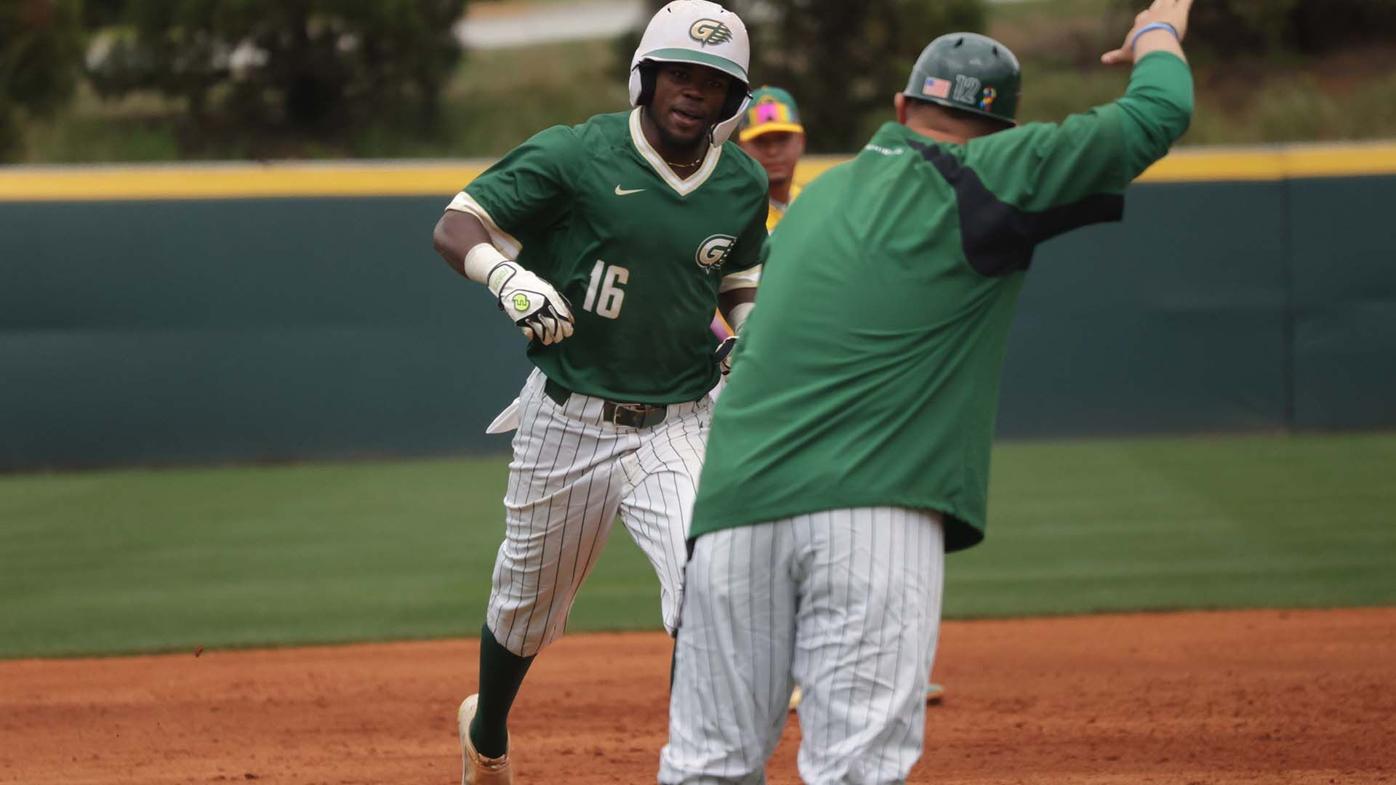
{"x": 627, "y": 191}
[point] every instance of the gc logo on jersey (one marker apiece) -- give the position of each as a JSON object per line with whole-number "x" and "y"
{"x": 710, "y": 31}
{"x": 714, "y": 251}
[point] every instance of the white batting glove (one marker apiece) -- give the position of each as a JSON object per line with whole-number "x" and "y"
{"x": 531, "y": 302}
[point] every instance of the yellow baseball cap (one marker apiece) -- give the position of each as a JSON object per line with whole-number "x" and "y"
{"x": 771, "y": 109}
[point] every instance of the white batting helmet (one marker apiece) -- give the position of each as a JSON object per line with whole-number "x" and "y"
{"x": 701, "y": 32}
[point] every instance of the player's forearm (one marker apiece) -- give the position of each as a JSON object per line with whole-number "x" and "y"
{"x": 736, "y": 305}
{"x": 456, "y": 234}
{"x": 535, "y": 306}
{"x": 1158, "y": 40}
{"x": 1158, "y": 105}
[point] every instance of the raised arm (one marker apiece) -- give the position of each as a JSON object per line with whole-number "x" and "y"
{"x": 1096, "y": 154}
{"x": 1159, "y": 104}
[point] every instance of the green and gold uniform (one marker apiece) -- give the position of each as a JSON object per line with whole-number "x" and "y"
{"x": 868, "y": 373}
{"x": 637, "y": 251}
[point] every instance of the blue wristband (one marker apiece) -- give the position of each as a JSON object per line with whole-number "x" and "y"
{"x": 1154, "y": 26}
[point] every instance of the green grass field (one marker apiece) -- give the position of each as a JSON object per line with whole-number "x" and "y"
{"x": 125, "y": 561}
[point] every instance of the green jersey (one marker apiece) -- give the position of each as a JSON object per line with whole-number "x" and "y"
{"x": 637, "y": 251}
{"x": 868, "y": 373}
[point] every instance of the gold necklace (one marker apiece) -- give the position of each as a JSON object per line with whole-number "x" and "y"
{"x": 688, "y": 165}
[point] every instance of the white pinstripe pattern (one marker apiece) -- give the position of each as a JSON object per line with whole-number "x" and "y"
{"x": 844, "y": 602}
{"x": 570, "y": 475}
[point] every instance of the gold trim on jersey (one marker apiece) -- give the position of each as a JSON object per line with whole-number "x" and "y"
{"x": 682, "y": 185}
{"x": 507, "y": 244}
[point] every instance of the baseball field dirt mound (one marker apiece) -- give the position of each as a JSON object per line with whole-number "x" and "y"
{"x": 1227, "y": 697}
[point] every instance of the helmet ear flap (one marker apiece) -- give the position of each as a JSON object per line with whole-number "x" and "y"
{"x": 737, "y": 96}
{"x": 737, "y": 101}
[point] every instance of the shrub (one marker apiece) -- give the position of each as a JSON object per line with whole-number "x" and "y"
{"x": 41, "y": 50}
{"x": 1231, "y": 28}
{"x": 315, "y": 67}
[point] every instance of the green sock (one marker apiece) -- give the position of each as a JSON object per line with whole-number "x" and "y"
{"x": 501, "y": 674}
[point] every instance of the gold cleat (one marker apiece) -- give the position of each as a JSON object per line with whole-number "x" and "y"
{"x": 476, "y": 769}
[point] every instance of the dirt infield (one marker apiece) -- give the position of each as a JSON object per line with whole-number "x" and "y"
{"x": 1233, "y": 697}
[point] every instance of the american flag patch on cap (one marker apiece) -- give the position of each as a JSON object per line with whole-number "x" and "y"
{"x": 936, "y": 88}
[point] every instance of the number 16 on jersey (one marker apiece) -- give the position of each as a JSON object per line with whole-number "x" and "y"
{"x": 604, "y": 292}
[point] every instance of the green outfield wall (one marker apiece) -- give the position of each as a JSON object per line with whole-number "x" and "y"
{"x": 235, "y": 313}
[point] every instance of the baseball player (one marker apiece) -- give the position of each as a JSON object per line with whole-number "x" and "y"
{"x": 851, "y": 448}
{"x": 609, "y": 244}
{"x": 771, "y": 132}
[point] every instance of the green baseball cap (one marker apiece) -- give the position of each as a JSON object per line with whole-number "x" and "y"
{"x": 771, "y": 109}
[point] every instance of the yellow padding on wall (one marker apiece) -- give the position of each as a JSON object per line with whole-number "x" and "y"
{"x": 1275, "y": 163}
{"x": 443, "y": 179}
{"x": 234, "y": 181}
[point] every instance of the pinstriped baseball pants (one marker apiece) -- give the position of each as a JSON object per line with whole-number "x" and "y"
{"x": 846, "y": 603}
{"x": 570, "y": 475}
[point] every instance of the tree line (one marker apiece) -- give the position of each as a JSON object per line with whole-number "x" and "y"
{"x": 303, "y": 67}
{"x": 312, "y": 68}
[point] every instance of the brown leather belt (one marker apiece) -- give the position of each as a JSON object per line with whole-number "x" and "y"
{"x": 627, "y": 415}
